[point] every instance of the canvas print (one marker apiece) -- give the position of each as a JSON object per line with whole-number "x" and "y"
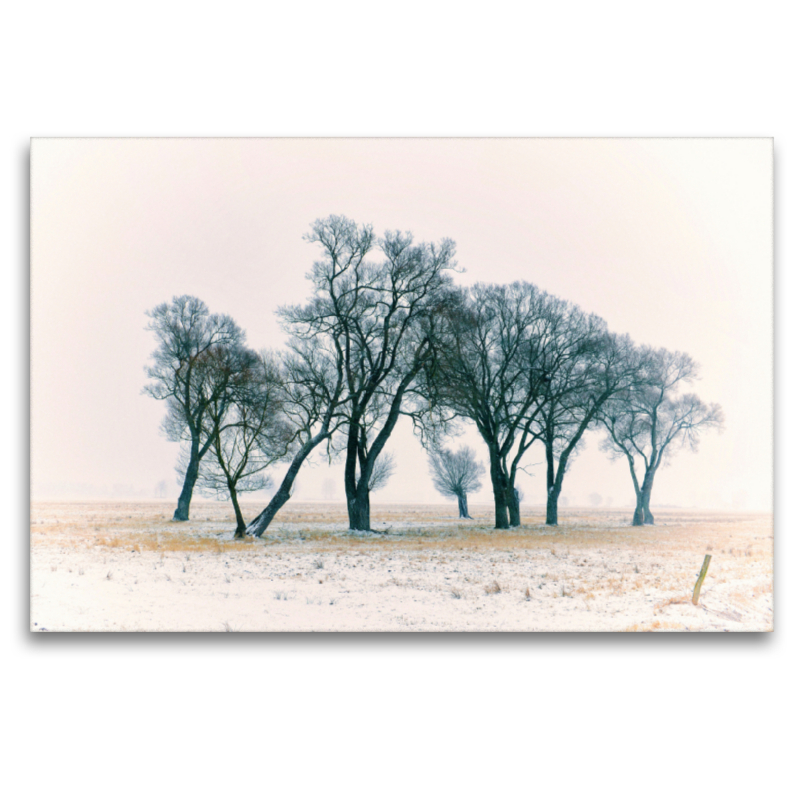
{"x": 401, "y": 385}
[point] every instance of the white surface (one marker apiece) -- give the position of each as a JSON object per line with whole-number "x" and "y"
{"x": 128, "y": 567}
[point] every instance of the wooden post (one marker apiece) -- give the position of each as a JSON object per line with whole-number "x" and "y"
{"x": 700, "y": 579}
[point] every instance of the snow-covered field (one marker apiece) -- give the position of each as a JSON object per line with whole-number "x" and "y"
{"x": 127, "y": 567}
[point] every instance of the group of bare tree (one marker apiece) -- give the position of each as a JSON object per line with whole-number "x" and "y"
{"x": 525, "y": 366}
{"x": 387, "y": 334}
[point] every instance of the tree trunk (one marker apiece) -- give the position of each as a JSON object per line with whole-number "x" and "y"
{"x": 552, "y": 490}
{"x": 499, "y": 491}
{"x": 281, "y": 497}
{"x": 647, "y": 488}
{"x": 240, "y": 523}
{"x": 357, "y": 502}
{"x": 358, "y": 511}
{"x": 500, "y": 511}
{"x": 182, "y": 511}
{"x": 463, "y": 511}
{"x": 357, "y": 493}
{"x": 642, "y": 515}
{"x": 638, "y": 514}
{"x": 552, "y": 505}
{"x": 512, "y": 501}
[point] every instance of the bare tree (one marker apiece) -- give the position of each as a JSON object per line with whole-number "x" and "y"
{"x": 312, "y": 401}
{"x": 188, "y": 372}
{"x": 650, "y": 420}
{"x": 250, "y": 433}
{"x": 377, "y": 318}
{"x": 489, "y": 368}
{"x": 456, "y": 474}
{"x": 585, "y": 367}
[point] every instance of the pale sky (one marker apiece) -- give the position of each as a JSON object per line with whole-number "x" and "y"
{"x": 670, "y": 240}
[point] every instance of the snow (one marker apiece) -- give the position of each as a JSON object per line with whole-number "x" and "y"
{"x": 127, "y": 568}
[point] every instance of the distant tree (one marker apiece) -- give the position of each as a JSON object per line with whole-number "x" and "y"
{"x": 190, "y": 374}
{"x": 650, "y": 420}
{"x": 161, "y": 489}
{"x": 456, "y": 474}
{"x": 249, "y": 432}
{"x": 595, "y": 499}
{"x": 377, "y": 318}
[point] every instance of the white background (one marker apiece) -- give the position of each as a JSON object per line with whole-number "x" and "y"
{"x": 392, "y": 716}
{"x": 669, "y": 240}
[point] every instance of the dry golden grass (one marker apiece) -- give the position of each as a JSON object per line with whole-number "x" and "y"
{"x": 579, "y": 542}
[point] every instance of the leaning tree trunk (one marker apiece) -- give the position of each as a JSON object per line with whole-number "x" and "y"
{"x": 182, "y": 511}
{"x": 240, "y": 523}
{"x": 463, "y": 511}
{"x": 281, "y": 497}
{"x": 512, "y": 501}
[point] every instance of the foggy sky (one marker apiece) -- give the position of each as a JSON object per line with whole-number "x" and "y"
{"x": 670, "y": 240}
